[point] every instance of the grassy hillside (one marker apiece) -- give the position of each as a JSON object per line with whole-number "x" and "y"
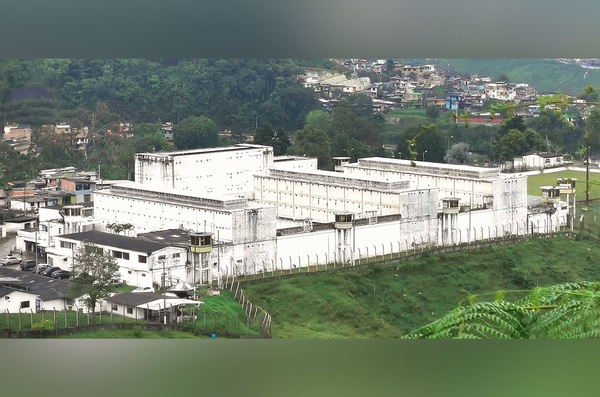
{"x": 545, "y": 75}
{"x": 389, "y": 301}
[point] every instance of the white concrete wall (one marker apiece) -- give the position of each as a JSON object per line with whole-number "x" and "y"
{"x": 320, "y": 201}
{"x": 147, "y": 215}
{"x": 13, "y": 303}
{"x": 370, "y": 240}
{"x": 213, "y": 171}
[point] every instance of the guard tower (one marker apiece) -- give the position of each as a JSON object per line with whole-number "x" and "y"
{"x": 339, "y": 162}
{"x": 450, "y": 209}
{"x": 550, "y": 194}
{"x": 344, "y": 226}
{"x": 567, "y": 187}
{"x": 200, "y": 248}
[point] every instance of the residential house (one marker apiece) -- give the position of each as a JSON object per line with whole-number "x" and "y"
{"x": 82, "y": 188}
{"x": 16, "y": 131}
{"x": 501, "y": 91}
{"x": 54, "y": 221}
{"x": 27, "y": 291}
{"x": 148, "y": 306}
{"x": 436, "y": 101}
{"x": 538, "y": 160}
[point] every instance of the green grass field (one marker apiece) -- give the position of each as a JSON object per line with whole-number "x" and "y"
{"x": 389, "y": 301}
{"x": 534, "y": 182}
{"x": 130, "y": 334}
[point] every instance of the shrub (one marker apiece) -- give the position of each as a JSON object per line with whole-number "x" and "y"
{"x": 138, "y": 331}
{"x": 42, "y": 326}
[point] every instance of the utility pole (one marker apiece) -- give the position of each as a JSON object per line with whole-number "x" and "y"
{"x": 587, "y": 170}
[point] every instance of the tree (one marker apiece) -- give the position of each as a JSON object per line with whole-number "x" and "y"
{"x": 563, "y": 311}
{"x": 313, "y": 142}
{"x": 431, "y": 142}
{"x": 592, "y": 126}
{"x": 119, "y": 227}
{"x": 433, "y": 112}
{"x": 98, "y": 122}
{"x": 459, "y": 153}
{"x": 516, "y": 143}
{"x": 148, "y": 137}
{"x": 195, "y": 132}
{"x": 277, "y": 138}
{"x": 93, "y": 270}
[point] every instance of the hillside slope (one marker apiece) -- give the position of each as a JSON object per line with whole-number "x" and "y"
{"x": 546, "y": 75}
{"x": 392, "y": 300}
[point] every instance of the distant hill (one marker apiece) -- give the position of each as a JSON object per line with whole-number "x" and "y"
{"x": 546, "y": 75}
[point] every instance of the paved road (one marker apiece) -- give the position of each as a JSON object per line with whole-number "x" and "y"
{"x": 8, "y": 243}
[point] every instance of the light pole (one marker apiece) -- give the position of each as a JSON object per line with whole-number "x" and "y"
{"x": 449, "y": 136}
{"x": 424, "y": 155}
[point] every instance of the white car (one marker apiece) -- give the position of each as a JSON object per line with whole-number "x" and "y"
{"x": 10, "y": 260}
{"x": 143, "y": 289}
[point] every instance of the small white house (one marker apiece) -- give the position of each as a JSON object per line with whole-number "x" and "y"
{"x": 538, "y": 160}
{"x": 27, "y": 291}
{"x": 147, "y": 306}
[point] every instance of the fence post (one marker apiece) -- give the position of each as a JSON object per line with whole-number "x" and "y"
{"x": 8, "y": 319}
{"x": 66, "y": 321}
{"x": 31, "y": 318}
{"x": 19, "y": 320}
{"x": 55, "y": 329}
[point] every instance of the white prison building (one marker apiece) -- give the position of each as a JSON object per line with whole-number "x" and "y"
{"x": 266, "y": 213}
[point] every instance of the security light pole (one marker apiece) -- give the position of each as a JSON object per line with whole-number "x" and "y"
{"x": 164, "y": 279}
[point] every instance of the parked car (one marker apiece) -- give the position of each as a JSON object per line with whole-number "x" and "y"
{"x": 10, "y": 260}
{"x": 49, "y": 271}
{"x": 143, "y": 289}
{"x": 60, "y": 274}
{"x": 41, "y": 267}
{"x": 28, "y": 265}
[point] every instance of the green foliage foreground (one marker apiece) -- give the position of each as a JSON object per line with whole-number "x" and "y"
{"x": 564, "y": 311}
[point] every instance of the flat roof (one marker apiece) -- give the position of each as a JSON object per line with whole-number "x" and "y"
{"x": 241, "y": 146}
{"x": 175, "y": 237}
{"x": 374, "y": 182}
{"x": 194, "y": 199}
{"x": 425, "y": 167}
{"x": 116, "y": 241}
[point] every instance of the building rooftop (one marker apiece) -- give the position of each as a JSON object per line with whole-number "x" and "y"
{"x": 149, "y": 192}
{"x": 424, "y": 167}
{"x": 337, "y": 178}
{"x": 173, "y": 237}
{"x": 47, "y": 288}
{"x": 238, "y": 147}
{"x": 115, "y": 240}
